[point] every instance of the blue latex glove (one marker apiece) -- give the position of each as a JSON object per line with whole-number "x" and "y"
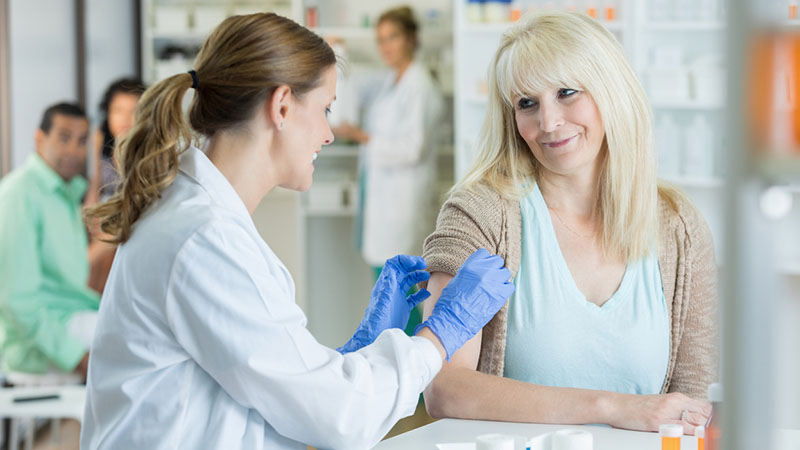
{"x": 479, "y": 289}
{"x": 389, "y": 307}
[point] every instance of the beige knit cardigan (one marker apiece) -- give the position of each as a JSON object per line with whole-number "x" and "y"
{"x": 480, "y": 218}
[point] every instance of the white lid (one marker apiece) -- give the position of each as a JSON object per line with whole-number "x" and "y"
{"x": 700, "y": 431}
{"x": 494, "y": 442}
{"x": 671, "y": 430}
{"x": 715, "y": 392}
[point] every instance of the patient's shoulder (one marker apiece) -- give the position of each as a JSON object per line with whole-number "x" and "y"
{"x": 479, "y": 200}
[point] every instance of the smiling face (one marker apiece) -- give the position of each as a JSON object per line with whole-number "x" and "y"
{"x": 563, "y": 129}
{"x": 305, "y": 131}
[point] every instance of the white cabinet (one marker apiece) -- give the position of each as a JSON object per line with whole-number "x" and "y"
{"x": 173, "y": 30}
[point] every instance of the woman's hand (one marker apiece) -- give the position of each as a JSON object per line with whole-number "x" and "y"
{"x": 350, "y": 132}
{"x": 647, "y": 412}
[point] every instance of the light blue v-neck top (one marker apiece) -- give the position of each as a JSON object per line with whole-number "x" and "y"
{"x": 557, "y": 338}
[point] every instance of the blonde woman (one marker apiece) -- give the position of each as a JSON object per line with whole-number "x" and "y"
{"x": 614, "y": 316}
{"x": 199, "y": 342}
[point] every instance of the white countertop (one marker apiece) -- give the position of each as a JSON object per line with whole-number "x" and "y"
{"x": 605, "y": 438}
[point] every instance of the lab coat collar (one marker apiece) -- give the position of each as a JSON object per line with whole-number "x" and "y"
{"x": 409, "y": 73}
{"x": 196, "y": 165}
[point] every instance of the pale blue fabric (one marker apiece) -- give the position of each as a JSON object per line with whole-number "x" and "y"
{"x": 558, "y": 338}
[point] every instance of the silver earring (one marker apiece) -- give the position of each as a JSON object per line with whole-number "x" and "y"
{"x": 280, "y": 126}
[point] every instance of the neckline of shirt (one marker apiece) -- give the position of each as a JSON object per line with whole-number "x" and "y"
{"x": 546, "y": 223}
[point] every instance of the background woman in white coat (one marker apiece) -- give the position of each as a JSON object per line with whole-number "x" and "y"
{"x": 399, "y": 146}
{"x": 199, "y": 343}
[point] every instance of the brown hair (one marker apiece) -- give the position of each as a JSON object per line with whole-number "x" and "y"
{"x": 239, "y": 65}
{"x": 403, "y": 16}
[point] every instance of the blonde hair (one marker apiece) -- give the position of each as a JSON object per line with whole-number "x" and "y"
{"x": 238, "y": 67}
{"x": 559, "y": 49}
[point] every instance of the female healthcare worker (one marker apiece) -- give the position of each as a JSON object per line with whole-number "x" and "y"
{"x": 199, "y": 343}
{"x": 399, "y": 146}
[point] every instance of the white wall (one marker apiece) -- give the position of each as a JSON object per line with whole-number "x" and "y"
{"x": 43, "y": 59}
{"x": 110, "y": 47}
{"x": 42, "y": 66}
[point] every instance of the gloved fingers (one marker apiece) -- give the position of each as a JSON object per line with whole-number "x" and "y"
{"x": 507, "y": 289}
{"x": 499, "y": 276}
{"x": 417, "y": 297}
{"x": 500, "y": 291}
{"x": 484, "y": 260}
{"x": 493, "y": 276}
{"x": 480, "y": 253}
{"x": 407, "y": 263}
{"x": 413, "y": 278}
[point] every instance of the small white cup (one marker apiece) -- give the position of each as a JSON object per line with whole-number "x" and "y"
{"x": 494, "y": 442}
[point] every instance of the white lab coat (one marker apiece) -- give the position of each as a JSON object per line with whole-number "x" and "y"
{"x": 200, "y": 345}
{"x": 404, "y": 125}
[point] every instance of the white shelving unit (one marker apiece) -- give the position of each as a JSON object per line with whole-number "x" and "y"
{"x": 173, "y": 30}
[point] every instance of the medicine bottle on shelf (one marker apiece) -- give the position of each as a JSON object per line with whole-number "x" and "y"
{"x": 312, "y": 15}
{"x": 610, "y": 12}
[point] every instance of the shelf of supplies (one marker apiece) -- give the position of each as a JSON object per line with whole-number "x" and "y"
{"x": 329, "y": 213}
{"x": 352, "y": 151}
{"x": 711, "y": 25}
{"x": 697, "y": 182}
{"x": 498, "y": 28}
{"x": 369, "y": 32}
{"x": 691, "y": 106}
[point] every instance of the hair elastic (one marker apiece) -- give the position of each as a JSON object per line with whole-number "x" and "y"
{"x": 194, "y": 78}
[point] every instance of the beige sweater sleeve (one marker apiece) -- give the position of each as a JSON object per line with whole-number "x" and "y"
{"x": 697, "y": 359}
{"x": 468, "y": 220}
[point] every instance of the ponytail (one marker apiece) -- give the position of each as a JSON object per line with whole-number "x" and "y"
{"x": 147, "y": 158}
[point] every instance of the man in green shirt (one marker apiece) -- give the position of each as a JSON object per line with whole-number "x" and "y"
{"x": 47, "y": 312}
